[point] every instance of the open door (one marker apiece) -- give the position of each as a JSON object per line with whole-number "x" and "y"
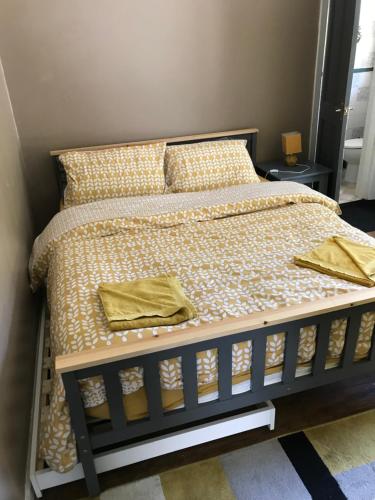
{"x": 336, "y": 86}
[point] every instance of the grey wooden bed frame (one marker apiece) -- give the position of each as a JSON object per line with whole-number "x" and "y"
{"x": 221, "y": 335}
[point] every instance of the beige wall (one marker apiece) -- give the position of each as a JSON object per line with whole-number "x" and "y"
{"x": 17, "y": 308}
{"x": 92, "y": 71}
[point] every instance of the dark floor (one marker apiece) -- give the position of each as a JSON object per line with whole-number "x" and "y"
{"x": 360, "y": 214}
{"x": 293, "y": 413}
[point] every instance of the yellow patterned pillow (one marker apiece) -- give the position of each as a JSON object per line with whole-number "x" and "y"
{"x": 112, "y": 173}
{"x": 208, "y": 165}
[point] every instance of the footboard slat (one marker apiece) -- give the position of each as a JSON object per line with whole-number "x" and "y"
{"x": 113, "y": 391}
{"x": 351, "y": 337}
{"x": 258, "y": 361}
{"x": 290, "y": 356}
{"x": 189, "y": 379}
{"x": 225, "y": 371}
{"x": 322, "y": 343}
{"x": 153, "y": 387}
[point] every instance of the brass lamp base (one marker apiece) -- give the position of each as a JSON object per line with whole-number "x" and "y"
{"x": 291, "y": 160}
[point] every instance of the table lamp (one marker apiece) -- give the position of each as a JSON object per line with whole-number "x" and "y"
{"x": 292, "y": 144}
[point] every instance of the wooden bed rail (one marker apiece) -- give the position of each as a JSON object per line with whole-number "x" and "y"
{"x": 183, "y": 138}
{"x": 230, "y": 326}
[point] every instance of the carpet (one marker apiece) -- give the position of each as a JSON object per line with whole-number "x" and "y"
{"x": 360, "y": 214}
{"x": 332, "y": 461}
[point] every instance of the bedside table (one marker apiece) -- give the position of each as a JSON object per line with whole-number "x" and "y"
{"x": 316, "y": 176}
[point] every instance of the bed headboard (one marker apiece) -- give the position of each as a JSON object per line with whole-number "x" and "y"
{"x": 249, "y": 134}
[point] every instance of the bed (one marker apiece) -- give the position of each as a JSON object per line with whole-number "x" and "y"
{"x": 265, "y": 327}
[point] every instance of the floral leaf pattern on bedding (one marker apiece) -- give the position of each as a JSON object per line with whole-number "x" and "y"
{"x": 208, "y": 165}
{"x": 241, "y": 357}
{"x": 306, "y": 345}
{"x": 232, "y": 259}
{"x": 113, "y": 172}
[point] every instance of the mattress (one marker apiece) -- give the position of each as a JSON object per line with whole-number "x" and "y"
{"x": 232, "y": 250}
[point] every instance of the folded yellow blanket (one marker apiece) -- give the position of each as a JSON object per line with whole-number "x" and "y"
{"x": 343, "y": 258}
{"x": 145, "y": 303}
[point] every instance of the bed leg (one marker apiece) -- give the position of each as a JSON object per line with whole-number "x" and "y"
{"x": 78, "y": 420}
{"x": 91, "y": 478}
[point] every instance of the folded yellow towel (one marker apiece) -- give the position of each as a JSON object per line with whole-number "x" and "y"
{"x": 145, "y": 303}
{"x": 343, "y": 258}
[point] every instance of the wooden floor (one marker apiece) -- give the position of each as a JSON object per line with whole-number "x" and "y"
{"x": 293, "y": 413}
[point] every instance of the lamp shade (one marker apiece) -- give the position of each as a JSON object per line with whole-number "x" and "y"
{"x": 291, "y": 143}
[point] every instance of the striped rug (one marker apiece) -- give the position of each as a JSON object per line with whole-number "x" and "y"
{"x": 332, "y": 461}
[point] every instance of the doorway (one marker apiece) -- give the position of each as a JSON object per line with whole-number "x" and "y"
{"x": 342, "y": 132}
{"x": 360, "y": 94}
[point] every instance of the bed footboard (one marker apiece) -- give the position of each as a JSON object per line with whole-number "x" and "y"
{"x": 107, "y": 362}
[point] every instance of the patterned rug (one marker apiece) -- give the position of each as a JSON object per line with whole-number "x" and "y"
{"x": 332, "y": 461}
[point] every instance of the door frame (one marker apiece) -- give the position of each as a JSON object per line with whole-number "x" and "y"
{"x": 324, "y": 22}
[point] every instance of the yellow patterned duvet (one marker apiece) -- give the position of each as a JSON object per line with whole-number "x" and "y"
{"x": 232, "y": 250}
